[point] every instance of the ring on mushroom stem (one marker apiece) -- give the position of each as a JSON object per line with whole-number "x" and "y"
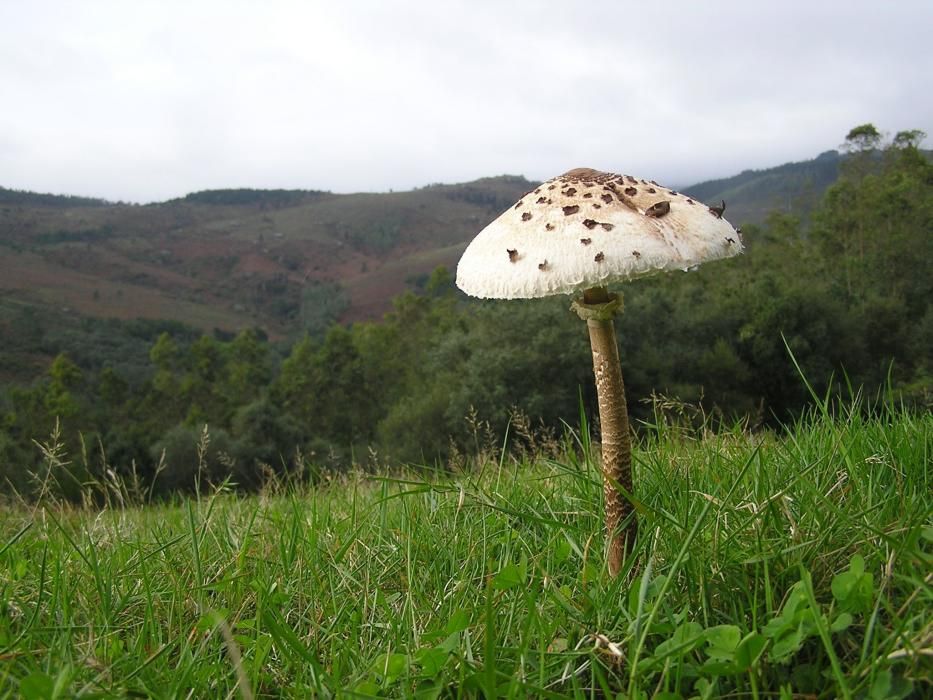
{"x": 638, "y": 235}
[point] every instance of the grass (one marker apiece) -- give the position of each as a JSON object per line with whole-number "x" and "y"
{"x": 768, "y": 566}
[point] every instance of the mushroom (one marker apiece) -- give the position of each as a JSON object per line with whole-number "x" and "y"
{"x": 639, "y": 230}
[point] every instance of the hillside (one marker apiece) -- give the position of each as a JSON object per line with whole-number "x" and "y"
{"x": 792, "y": 188}
{"x": 848, "y": 297}
{"x": 285, "y": 260}
{"x": 234, "y": 258}
{"x": 25, "y": 198}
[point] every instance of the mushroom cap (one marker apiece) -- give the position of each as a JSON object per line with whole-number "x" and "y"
{"x": 588, "y": 228}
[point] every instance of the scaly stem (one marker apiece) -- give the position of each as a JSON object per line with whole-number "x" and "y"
{"x": 614, "y": 429}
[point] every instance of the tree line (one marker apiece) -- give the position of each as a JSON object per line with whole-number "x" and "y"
{"x": 847, "y": 293}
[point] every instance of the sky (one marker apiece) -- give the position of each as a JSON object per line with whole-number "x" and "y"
{"x": 144, "y": 101}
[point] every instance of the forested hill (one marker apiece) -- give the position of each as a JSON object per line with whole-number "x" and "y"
{"x": 37, "y": 199}
{"x": 285, "y": 260}
{"x": 790, "y": 188}
{"x": 848, "y": 295}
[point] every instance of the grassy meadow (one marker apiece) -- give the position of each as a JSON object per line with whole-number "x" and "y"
{"x": 792, "y": 565}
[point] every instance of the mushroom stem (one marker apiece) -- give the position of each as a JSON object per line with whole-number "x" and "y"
{"x": 614, "y": 429}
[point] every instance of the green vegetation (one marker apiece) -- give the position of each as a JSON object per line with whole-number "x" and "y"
{"x": 91, "y": 235}
{"x": 91, "y": 343}
{"x": 792, "y": 188}
{"x": 484, "y": 192}
{"x": 22, "y": 198}
{"x": 231, "y": 259}
{"x": 787, "y": 530}
{"x": 245, "y": 196}
{"x": 378, "y": 239}
{"x": 771, "y": 566}
{"x": 848, "y": 295}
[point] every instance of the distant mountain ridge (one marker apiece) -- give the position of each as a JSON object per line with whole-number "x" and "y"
{"x": 39, "y": 199}
{"x": 247, "y": 196}
{"x": 792, "y": 187}
{"x": 784, "y": 186}
{"x": 288, "y": 259}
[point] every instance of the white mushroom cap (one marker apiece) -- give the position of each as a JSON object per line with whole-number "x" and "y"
{"x": 588, "y": 228}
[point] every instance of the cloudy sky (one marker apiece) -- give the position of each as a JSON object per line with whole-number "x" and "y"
{"x": 142, "y": 101}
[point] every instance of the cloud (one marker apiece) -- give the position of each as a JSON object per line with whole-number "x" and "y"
{"x": 150, "y": 100}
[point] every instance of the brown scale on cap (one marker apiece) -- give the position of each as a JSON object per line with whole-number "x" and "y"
{"x": 607, "y": 198}
{"x": 526, "y": 216}
{"x": 718, "y": 211}
{"x": 636, "y": 253}
{"x": 538, "y": 191}
{"x": 599, "y": 257}
{"x": 690, "y": 201}
{"x": 597, "y": 206}
{"x": 513, "y": 254}
{"x": 651, "y": 190}
{"x": 592, "y": 223}
{"x": 540, "y": 200}
{"x": 621, "y": 197}
{"x": 520, "y": 202}
{"x": 631, "y": 179}
{"x": 630, "y": 191}
{"x": 570, "y": 192}
{"x": 552, "y": 187}
{"x": 572, "y": 209}
{"x": 549, "y": 227}
{"x": 583, "y": 174}
{"x": 730, "y": 241}
{"x": 658, "y": 209}
{"x": 586, "y": 241}
{"x": 587, "y": 195}
{"x": 543, "y": 266}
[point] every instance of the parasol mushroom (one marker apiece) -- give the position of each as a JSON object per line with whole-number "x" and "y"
{"x": 577, "y": 234}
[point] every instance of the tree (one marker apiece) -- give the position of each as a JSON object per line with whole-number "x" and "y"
{"x": 64, "y": 376}
{"x": 873, "y": 231}
{"x": 912, "y": 138}
{"x": 293, "y": 388}
{"x": 864, "y": 137}
{"x": 861, "y": 148}
{"x": 247, "y": 369}
{"x": 201, "y": 388}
